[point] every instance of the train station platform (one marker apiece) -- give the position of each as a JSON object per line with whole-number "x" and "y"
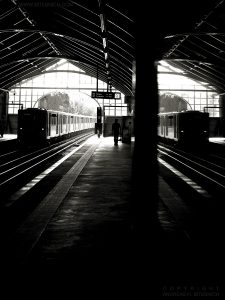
{"x": 7, "y": 137}
{"x": 219, "y": 140}
{"x": 91, "y": 231}
{"x": 8, "y": 142}
{"x": 93, "y": 218}
{"x": 90, "y": 236}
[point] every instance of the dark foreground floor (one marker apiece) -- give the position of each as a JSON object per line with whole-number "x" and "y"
{"x": 92, "y": 246}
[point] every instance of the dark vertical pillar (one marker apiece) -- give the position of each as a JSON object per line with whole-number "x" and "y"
{"x": 4, "y": 96}
{"x": 98, "y": 125}
{"x": 145, "y": 168}
{"x": 145, "y": 159}
{"x": 3, "y": 104}
{"x": 222, "y": 114}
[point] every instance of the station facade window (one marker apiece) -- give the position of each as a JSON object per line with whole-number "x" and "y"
{"x": 63, "y": 77}
{"x": 200, "y": 96}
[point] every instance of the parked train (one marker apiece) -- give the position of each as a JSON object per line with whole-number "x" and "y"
{"x": 38, "y": 126}
{"x": 184, "y": 128}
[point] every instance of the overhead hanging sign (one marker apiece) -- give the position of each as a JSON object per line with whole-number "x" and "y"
{"x": 106, "y": 95}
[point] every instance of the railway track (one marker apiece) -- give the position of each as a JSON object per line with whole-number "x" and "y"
{"x": 199, "y": 181}
{"x": 206, "y": 170}
{"x": 25, "y": 178}
{"x": 27, "y": 212}
{"x": 18, "y": 167}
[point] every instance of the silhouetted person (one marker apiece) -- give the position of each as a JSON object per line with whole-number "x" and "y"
{"x": 99, "y": 129}
{"x": 116, "y": 130}
{"x": 1, "y": 128}
{"x": 129, "y": 132}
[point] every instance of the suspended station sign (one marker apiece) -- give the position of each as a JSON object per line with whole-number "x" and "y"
{"x": 106, "y": 95}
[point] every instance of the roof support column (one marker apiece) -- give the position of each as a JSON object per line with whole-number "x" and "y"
{"x": 145, "y": 173}
{"x": 222, "y": 113}
{"x": 144, "y": 204}
{"x": 4, "y": 98}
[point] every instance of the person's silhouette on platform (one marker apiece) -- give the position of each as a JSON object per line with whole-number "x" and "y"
{"x": 116, "y": 130}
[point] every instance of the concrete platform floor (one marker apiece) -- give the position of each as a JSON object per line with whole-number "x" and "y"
{"x": 90, "y": 239}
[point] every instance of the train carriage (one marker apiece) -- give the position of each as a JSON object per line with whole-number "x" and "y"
{"x": 39, "y": 126}
{"x": 185, "y": 127}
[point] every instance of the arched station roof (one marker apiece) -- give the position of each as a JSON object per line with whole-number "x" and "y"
{"x": 100, "y": 36}
{"x": 94, "y": 35}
